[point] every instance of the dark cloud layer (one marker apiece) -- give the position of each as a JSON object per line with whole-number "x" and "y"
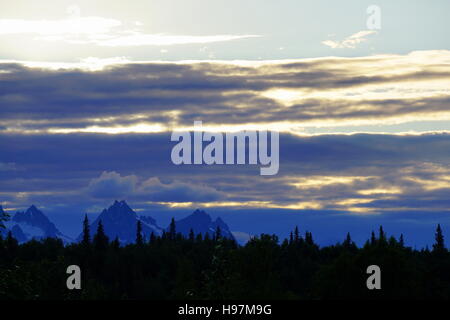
{"x": 220, "y": 93}
{"x": 321, "y": 168}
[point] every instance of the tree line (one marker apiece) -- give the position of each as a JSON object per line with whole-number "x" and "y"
{"x": 173, "y": 266}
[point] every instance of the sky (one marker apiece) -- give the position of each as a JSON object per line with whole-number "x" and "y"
{"x": 359, "y": 91}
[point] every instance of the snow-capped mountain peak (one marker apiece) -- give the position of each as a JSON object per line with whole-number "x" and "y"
{"x": 33, "y": 224}
{"x": 119, "y": 220}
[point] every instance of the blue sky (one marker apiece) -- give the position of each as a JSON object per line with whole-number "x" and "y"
{"x": 89, "y": 93}
{"x": 283, "y": 29}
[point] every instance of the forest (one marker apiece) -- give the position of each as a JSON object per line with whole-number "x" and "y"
{"x": 197, "y": 267}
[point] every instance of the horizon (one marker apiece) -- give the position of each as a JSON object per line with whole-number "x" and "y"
{"x": 359, "y": 238}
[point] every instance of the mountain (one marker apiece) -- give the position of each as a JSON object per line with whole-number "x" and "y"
{"x": 2, "y": 214}
{"x": 119, "y": 220}
{"x": 33, "y": 224}
{"x": 200, "y": 222}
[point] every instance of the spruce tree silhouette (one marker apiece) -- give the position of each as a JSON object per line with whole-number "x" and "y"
{"x": 191, "y": 235}
{"x": 373, "y": 239}
{"x": 86, "y": 232}
{"x": 296, "y": 235}
{"x": 139, "y": 239}
{"x": 4, "y": 216}
{"x": 401, "y": 241}
{"x": 439, "y": 245}
{"x": 172, "y": 229}
{"x": 218, "y": 234}
{"x": 101, "y": 240}
{"x": 348, "y": 241}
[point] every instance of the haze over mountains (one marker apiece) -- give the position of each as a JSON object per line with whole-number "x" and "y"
{"x": 119, "y": 220}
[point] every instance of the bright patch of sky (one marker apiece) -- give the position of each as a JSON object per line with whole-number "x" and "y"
{"x": 54, "y": 30}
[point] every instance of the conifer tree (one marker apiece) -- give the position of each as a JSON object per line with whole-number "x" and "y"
{"x": 439, "y": 245}
{"x": 191, "y": 235}
{"x": 86, "y": 232}
{"x": 308, "y": 238}
{"x": 401, "y": 241}
{"x": 373, "y": 239}
{"x": 296, "y": 235}
{"x": 100, "y": 239}
{"x": 382, "y": 235}
{"x": 4, "y": 216}
{"x": 172, "y": 229}
{"x": 348, "y": 240}
{"x": 139, "y": 239}
{"x": 218, "y": 233}
{"x": 152, "y": 237}
{"x": 11, "y": 243}
{"x": 116, "y": 243}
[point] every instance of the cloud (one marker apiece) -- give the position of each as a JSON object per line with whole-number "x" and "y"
{"x": 178, "y": 191}
{"x": 122, "y": 97}
{"x": 350, "y": 42}
{"x": 167, "y": 40}
{"x": 359, "y": 174}
{"x": 112, "y": 185}
{"x": 102, "y": 31}
{"x": 9, "y": 166}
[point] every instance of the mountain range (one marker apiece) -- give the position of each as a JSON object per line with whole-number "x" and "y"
{"x": 33, "y": 224}
{"x": 201, "y": 222}
{"x": 119, "y": 220}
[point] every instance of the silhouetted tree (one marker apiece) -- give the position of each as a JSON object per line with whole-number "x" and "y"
{"x": 401, "y": 241}
{"x": 296, "y": 234}
{"x": 373, "y": 239}
{"x": 139, "y": 239}
{"x": 218, "y": 234}
{"x": 309, "y": 238}
{"x": 11, "y": 242}
{"x": 4, "y": 216}
{"x": 116, "y": 243}
{"x": 86, "y": 232}
{"x": 172, "y": 229}
{"x": 348, "y": 243}
{"x": 439, "y": 245}
{"x": 382, "y": 236}
{"x": 101, "y": 240}
{"x": 191, "y": 235}
{"x": 152, "y": 237}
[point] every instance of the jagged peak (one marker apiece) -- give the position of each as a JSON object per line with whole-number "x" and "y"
{"x": 219, "y": 220}
{"x": 120, "y": 203}
{"x": 200, "y": 212}
{"x": 34, "y": 211}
